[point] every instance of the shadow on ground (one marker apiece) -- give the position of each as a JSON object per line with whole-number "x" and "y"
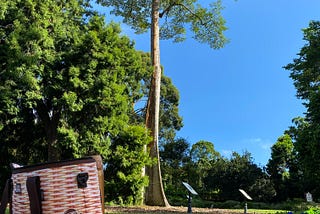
{"x": 171, "y": 209}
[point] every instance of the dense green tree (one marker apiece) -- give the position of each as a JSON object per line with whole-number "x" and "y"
{"x": 278, "y": 166}
{"x": 208, "y": 27}
{"x": 124, "y": 183}
{"x": 203, "y": 152}
{"x": 299, "y": 133}
{"x": 305, "y": 72}
{"x": 217, "y": 171}
{"x": 175, "y": 153}
{"x": 69, "y": 71}
{"x": 68, "y": 83}
{"x": 263, "y": 189}
{"x": 227, "y": 176}
{"x": 301, "y": 167}
{"x": 203, "y": 155}
{"x": 175, "y": 159}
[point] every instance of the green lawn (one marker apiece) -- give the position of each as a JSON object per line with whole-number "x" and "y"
{"x": 267, "y": 211}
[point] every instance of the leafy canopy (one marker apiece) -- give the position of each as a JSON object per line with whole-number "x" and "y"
{"x": 305, "y": 72}
{"x": 67, "y": 73}
{"x": 207, "y": 24}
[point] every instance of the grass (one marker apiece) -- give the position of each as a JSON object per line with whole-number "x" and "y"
{"x": 249, "y": 211}
{"x": 182, "y": 209}
{"x": 267, "y": 211}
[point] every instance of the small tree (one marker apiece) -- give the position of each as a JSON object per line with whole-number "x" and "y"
{"x": 124, "y": 183}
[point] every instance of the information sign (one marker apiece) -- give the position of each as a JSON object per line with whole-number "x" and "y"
{"x": 189, "y": 188}
{"x": 245, "y": 194}
{"x": 309, "y": 197}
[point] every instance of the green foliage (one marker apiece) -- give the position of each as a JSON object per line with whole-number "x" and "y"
{"x": 203, "y": 152}
{"x": 174, "y": 156}
{"x": 263, "y": 189}
{"x": 310, "y": 208}
{"x": 227, "y": 176}
{"x": 170, "y": 120}
{"x": 175, "y": 153}
{"x": 203, "y": 155}
{"x": 69, "y": 73}
{"x": 304, "y": 70}
{"x": 207, "y": 24}
{"x": 305, "y": 73}
{"x": 279, "y": 165}
{"x": 123, "y": 174}
{"x": 214, "y": 177}
{"x": 312, "y": 211}
{"x": 68, "y": 83}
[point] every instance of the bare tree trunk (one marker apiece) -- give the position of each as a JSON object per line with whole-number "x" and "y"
{"x": 155, "y": 193}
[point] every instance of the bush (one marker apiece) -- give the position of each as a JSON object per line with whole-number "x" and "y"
{"x": 124, "y": 183}
{"x": 312, "y": 211}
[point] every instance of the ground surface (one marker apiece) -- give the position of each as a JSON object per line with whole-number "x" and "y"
{"x": 149, "y": 209}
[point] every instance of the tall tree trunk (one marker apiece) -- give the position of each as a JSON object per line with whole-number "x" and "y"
{"x": 50, "y": 119}
{"x": 52, "y": 139}
{"x": 154, "y": 193}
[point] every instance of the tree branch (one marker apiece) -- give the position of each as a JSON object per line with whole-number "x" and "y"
{"x": 6, "y": 26}
{"x": 166, "y": 10}
{"x": 185, "y": 7}
{"x": 193, "y": 13}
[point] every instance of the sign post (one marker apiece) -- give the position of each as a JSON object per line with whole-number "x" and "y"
{"x": 309, "y": 197}
{"x": 246, "y": 197}
{"x": 190, "y": 191}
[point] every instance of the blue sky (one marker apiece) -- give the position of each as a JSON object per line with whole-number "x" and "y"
{"x": 239, "y": 97}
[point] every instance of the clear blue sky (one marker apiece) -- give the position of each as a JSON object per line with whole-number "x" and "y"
{"x": 240, "y": 98}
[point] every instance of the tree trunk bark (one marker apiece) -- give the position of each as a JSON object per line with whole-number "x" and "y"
{"x": 52, "y": 139}
{"x": 154, "y": 193}
{"x": 50, "y": 123}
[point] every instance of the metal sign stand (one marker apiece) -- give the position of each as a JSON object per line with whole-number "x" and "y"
{"x": 189, "y": 203}
{"x": 190, "y": 191}
{"x": 245, "y": 201}
{"x": 245, "y": 207}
